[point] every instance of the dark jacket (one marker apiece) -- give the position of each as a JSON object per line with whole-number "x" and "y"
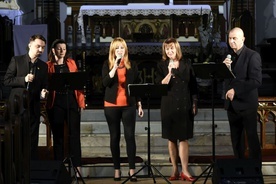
{"x": 248, "y": 72}
{"x": 15, "y": 78}
{"x": 111, "y": 84}
{"x": 185, "y": 72}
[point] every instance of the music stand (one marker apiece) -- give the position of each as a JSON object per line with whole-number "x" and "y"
{"x": 69, "y": 81}
{"x": 148, "y": 90}
{"x": 212, "y": 71}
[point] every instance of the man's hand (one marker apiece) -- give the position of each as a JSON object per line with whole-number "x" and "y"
{"x": 230, "y": 94}
{"x": 29, "y": 78}
{"x": 228, "y": 62}
{"x": 44, "y": 93}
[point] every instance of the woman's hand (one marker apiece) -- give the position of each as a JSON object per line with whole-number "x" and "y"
{"x": 113, "y": 70}
{"x": 195, "y": 109}
{"x": 170, "y": 67}
{"x": 140, "y": 110}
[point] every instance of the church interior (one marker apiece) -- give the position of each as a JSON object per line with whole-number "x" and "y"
{"x": 200, "y": 26}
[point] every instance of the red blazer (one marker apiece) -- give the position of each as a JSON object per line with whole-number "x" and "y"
{"x": 79, "y": 93}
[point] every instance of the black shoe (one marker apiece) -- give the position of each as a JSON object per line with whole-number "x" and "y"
{"x": 133, "y": 178}
{"x": 119, "y": 178}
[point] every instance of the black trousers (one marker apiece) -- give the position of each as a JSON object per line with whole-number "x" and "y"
{"x": 34, "y": 128}
{"x": 114, "y": 116}
{"x": 244, "y": 123}
{"x": 57, "y": 117}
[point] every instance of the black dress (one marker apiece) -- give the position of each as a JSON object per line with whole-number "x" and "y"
{"x": 176, "y": 107}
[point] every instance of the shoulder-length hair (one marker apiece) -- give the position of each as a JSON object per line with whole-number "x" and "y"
{"x": 51, "y": 55}
{"x": 168, "y": 42}
{"x": 112, "y": 57}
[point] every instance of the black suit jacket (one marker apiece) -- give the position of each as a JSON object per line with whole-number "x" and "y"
{"x": 248, "y": 72}
{"x": 15, "y": 78}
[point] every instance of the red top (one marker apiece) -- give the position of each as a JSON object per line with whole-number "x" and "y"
{"x": 121, "y": 92}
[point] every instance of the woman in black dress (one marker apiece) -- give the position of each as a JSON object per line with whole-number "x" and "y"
{"x": 179, "y": 107}
{"x": 64, "y": 106}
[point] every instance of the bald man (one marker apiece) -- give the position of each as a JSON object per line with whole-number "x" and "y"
{"x": 241, "y": 97}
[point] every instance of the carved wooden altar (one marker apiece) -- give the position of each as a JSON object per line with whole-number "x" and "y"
{"x": 267, "y": 123}
{"x": 144, "y": 27}
{"x": 9, "y": 4}
{"x": 134, "y": 21}
{"x": 11, "y": 10}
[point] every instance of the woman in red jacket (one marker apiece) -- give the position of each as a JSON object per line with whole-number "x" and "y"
{"x": 57, "y": 105}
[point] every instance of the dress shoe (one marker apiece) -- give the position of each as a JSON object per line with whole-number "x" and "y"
{"x": 187, "y": 178}
{"x": 133, "y": 178}
{"x": 118, "y": 178}
{"x": 173, "y": 178}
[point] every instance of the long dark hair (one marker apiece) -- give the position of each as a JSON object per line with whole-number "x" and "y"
{"x": 51, "y": 55}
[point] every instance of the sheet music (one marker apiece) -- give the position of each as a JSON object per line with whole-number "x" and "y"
{"x": 217, "y": 70}
{"x": 147, "y": 89}
{"x": 144, "y": 84}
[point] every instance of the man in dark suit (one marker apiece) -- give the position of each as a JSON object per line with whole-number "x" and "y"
{"x": 242, "y": 95}
{"x": 29, "y": 72}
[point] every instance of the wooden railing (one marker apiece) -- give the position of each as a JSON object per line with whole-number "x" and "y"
{"x": 45, "y": 151}
{"x": 267, "y": 120}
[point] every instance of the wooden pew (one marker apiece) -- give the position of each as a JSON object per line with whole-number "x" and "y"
{"x": 15, "y": 165}
{"x": 26, "y": 138}
{"x": 17, "y": 140}
{"x": 3, "y": 112}
{"x": 9, "y": 172}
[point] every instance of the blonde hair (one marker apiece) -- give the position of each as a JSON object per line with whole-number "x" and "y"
{"x": 167, "y": 43}
{"x": 112, "y": 57}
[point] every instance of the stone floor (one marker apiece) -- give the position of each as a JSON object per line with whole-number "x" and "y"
{"x": 267, "y": 180}
{"x": 97, "y": 157}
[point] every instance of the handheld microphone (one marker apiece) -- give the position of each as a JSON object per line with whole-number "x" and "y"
{"x": 119, "y": 59}
{"x": 229, "y": 57}
{"x": 171, "y": 62}
{"x": 31, "y": 72}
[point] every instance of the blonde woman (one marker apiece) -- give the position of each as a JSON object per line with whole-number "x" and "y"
{"x": 117, "y": 72}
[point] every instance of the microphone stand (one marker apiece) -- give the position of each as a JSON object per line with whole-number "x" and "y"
{"x": 69, "y": 81}
{"x": 212, "y": 71}
{"x": 148, "y": 90}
